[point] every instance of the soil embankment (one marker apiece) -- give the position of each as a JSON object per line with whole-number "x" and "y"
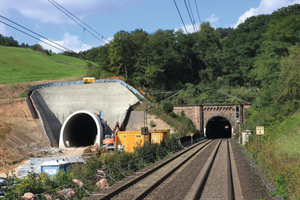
{"x": 21, "y": 136}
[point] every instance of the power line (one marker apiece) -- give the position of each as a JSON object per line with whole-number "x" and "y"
{"x": 75, "y": 21}
{"x": 34, "y": 33}
{"x": 180, "y": 16}
{"x": 32, "y": 36}
{"x": 192, "y": 15}
{"x": 197, "y": 11}
{"x": 189, "y": 15}
{"x": 79, "y": 20}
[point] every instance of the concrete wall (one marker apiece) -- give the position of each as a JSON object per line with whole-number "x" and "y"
{"x": 55, "y": 104}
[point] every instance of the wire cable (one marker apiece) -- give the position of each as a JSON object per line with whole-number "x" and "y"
{"x": 82, "y": 38}
{"x": 189, "y": 15}
{"x": 193, "y": 21}
{"x": 197, "y": 11}
{"x": 181, "y": 17}
{"x": 79, "y": 20}
{"x": 31, "y": 36}
{"x": 75, "y": 21}
{"x": 35, "y": 33}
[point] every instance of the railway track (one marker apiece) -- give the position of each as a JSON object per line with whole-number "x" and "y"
{"x": 218, "y": 179}
{"x": 207, "y": 168}
{"x": 139, "y": 185}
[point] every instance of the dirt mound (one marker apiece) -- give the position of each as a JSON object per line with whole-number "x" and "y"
{"x": 21, "y": 136}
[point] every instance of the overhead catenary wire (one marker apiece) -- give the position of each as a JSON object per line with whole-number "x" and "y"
{"x": 75, "y": 21}
{"x": 197, "y": 11}
{"x": 31, "y": 35}
{"x": 34, "y": 33}
{"x": 190, "y": 13}
{"x": 80, "y": 20}
{"x": 181, "y": 17}
{"x": 82, "y": 38}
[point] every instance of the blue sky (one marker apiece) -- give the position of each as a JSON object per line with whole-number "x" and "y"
{"x": 108, "y": 17}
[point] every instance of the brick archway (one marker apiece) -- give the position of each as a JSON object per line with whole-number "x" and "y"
{"x": 201, "y": 114}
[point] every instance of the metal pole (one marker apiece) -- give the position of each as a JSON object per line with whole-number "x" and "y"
{"x": 240, "y": 132}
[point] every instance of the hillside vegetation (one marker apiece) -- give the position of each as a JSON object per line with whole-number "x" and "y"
{"x": 262, "y": 53}
{"x": 24, "y": 65}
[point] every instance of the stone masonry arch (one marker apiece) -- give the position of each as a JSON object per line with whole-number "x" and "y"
{"x": 201, "y": 114}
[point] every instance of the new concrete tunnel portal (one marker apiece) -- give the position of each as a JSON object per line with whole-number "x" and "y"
{"x": 218, "y": 127}
{"x": 81, "y": 128}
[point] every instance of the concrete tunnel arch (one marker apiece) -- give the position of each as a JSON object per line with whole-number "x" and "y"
{"x": 81, "y": 128}
{"x": 216, "y": 127}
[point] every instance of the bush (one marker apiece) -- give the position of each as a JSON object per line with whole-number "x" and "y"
{"x": 152, "y": 123}
{"x": 37, "y": 47}
{"x": 167, "y": 107}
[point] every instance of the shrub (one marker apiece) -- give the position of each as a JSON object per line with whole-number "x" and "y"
{"x": 37, "y": 47}
{"x": 152, "y": 123}
{"x": 167, "y": 107}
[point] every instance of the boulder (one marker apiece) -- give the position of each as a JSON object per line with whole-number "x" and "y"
{"x": 68, "y": 192}
{"x": 78, "y": 182}
{"x": 28, "y": 196}
{"x": 102, "y": 183}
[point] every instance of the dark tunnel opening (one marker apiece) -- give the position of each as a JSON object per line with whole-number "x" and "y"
{"x": 81, "y": 130}
{"x": 218, "y": 127}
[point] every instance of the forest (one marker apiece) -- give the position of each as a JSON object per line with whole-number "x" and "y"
{"x": 257, "y": 62}
{"x": 261, "y": 53}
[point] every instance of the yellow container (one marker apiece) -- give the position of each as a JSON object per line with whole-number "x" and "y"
{"x": 158, "y": 136}
{"x": 127, "y": 140}
{"x": 88, "y": 79}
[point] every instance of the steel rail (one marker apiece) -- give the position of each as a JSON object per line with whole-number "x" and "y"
{"x": 156, "y": 168}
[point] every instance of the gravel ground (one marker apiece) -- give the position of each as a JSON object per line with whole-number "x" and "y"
{"x": 251, "y": 184}
{"x": 178, "y": 187}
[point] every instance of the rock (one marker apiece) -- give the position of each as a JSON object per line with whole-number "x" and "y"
{"x": 102, "y": 183}
{"x": 28, "y": 196}
{"x": 78, "y": 182}
{"x": 48, "y": 196}
{"x": 100, "y": 172}
{"x": 68, "y": 192}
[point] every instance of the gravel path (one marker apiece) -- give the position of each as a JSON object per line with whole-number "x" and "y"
{"x": 177, "y": 187}
{"x": 251, "y": 184}
{"x": 217, "y": 186}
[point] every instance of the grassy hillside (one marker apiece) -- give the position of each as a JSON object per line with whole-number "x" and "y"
{"x": 24, "y": 65}
{"x": 279, "y": 154}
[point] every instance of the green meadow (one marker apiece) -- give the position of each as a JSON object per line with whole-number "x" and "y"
{"x": 24, "y": 65}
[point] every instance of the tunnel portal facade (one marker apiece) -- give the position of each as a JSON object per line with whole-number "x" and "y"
{"x": 81, "y": 128}
{"x": 210, "y": 118}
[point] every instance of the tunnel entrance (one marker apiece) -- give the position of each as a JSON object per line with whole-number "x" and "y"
{"x": 80, "y": 130}
{"x": 218, "y": 127}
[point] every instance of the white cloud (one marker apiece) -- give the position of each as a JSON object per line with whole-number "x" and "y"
{"x": 212, "y": 19}
{"x": 265, "y": 7}
{"x": 3, "y": 31}
{"x": 69, "y": 41}
{"x": 189, "y": 28}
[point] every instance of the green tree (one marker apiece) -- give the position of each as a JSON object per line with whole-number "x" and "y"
{"x": 120, "y": 54}
{"x": 289, "y": 78}
{"x": 206, "y": 46}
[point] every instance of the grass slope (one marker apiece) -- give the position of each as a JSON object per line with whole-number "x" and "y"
{"x": 288, "y": 136}
{"x": 24, "y": 65}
